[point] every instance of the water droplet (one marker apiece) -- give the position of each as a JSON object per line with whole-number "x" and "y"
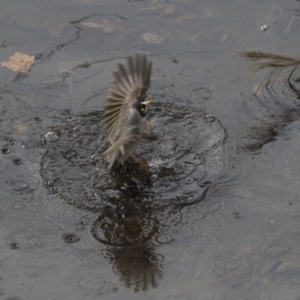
{"x": 33, "y": 241}
{"x": 210, "y": 118}
{"x": 236, "y": 215}
{"x": 19, "y": 186}
{"x": 5, "y": 150}
{"x": 81, "y": 224}
{"x": 71, "y": 238}
{"x": 32, "y": 271}
{"x": 264, "y": 27}
{"x": 19, "y": 205}
{"x": 13, "y": 246}
{"x": 17, "y": 161}
{"x": 51, "y": 137}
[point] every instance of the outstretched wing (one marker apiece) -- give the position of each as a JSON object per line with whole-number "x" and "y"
{"x": 129, "y": 85}
{"x": 124, "y": 141}
{"x": 131, "y": 135}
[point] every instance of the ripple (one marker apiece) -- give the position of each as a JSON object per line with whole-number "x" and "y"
{"x": 93, "y": 260}
{"x": 73, "y": 156}
{"x": 71, "y": 238}
{"x": 51, "y": 137}
{"x": 22, "y": 185}
{"x": 135, "y": 206}
{"x": 233, "y": 265}
{"x": 120, "y": 227}
{"x": 238, "y": 275}
{"x": 288, "y": 271}
{"x": 275, "y": 250}
{"x": 19, "y": 205}
{"x": 96, "y": 283}
{"x": 198, "y": 91}
{"x": 70, "y": 214}
{"x": 46, "y": 261}
{"x": 7, "y": 141}
{"x": 33, "y": 241}
{"x": 19, "y": 186}
{"x": 274, "y": 255}
{"x": 32, "y": 271}
{"x": 82, "y": 223}
{"x": 24, "y": 240}
{"x": 17, "y": 161}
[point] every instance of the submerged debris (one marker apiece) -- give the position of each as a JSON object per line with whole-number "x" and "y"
{"x": 264, "y": 27}
{"x": 152, "y": 38}
{"x": 19, "y": 62}
{"x": 106, "y": 25}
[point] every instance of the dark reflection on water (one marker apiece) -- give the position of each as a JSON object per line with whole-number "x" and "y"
{"x": 139, "y": 268}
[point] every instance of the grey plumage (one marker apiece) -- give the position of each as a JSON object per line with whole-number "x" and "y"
{"x": 125, "y": 110}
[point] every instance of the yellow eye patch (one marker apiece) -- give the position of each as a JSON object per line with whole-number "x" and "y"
{"x": 142, "y": 108}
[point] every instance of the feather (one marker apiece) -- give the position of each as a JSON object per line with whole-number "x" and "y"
{"x": 123, "y": 122}
{"x": 130, "y": 84}
{"x": 124, "y": 141}
{"x": 274, "y": 63}
{"x": 149, "y": 135}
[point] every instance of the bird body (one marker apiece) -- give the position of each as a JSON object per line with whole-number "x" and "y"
{"x": 125, "y": 111}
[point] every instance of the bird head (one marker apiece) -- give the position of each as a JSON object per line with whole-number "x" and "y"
{"x": 137, "y": 112}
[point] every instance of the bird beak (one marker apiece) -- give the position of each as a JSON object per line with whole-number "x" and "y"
{"x": 148, "y": 102}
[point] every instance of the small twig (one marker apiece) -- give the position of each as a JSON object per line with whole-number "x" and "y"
{"x": 287, "y": 30}
{"x": 247, "y": 251}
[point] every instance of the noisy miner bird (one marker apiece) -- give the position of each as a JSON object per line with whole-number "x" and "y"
{"x": 125, "y": 111}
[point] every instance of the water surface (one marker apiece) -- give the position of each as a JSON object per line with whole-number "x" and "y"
{"x": 216, "y": 216}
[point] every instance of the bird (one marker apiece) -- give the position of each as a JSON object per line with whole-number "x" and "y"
{"x": 124, "y": 120}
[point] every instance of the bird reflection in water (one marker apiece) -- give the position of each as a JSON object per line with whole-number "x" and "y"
{"x": 129, "y": 231}
{"x": 129, "y": 227}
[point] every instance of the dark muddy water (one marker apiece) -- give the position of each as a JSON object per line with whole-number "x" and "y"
{"x": 216, "y": 217}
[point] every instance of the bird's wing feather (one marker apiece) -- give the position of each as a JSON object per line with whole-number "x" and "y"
{"x": 130, "y": 84}
{"x": 131, "y": 135}
{"x": 124, "y": 141}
